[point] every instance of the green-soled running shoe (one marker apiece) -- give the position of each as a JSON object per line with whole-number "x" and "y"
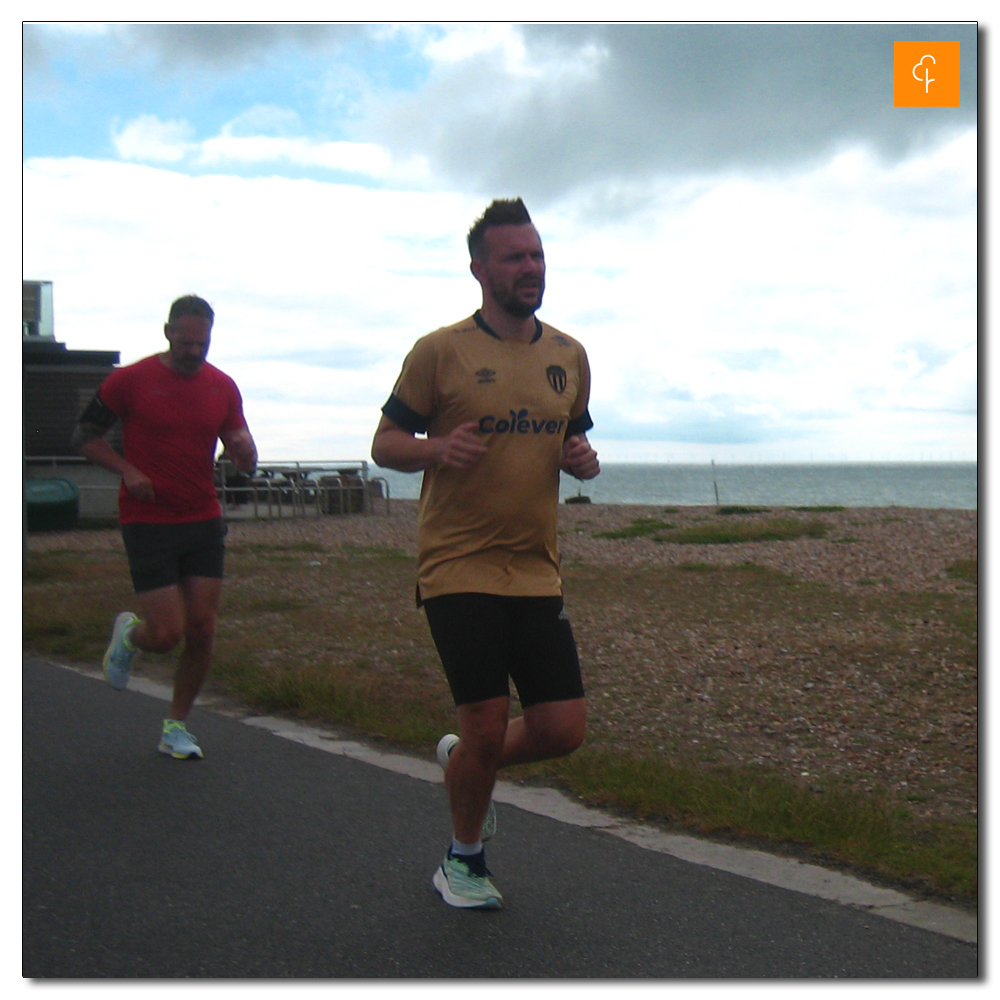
{"x": 446, "y": 744}
{"x": 465, "y": 882}
{"x": 178, "y": 742}
{"x": 120, "y": 654}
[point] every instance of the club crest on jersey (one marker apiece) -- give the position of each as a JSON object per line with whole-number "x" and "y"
{"x": 485, "y": 375}
{"x": 557, "y": 378}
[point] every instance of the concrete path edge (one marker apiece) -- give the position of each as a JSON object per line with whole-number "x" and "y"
{"x": 786, "y": 873}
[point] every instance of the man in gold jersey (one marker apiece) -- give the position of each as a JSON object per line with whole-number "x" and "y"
{"x": 491, "y": 409}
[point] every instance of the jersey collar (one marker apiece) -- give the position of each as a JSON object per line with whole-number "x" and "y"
{"x": 486, "y": 328}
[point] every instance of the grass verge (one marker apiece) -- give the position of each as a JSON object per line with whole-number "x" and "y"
{"x": 832, "y": 825}
{"x": 332, "y": 635}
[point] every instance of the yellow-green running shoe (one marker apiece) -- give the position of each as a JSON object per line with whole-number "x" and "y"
{"x": 465, "y": 882}
{"x": 178, "y": 742}
{"x": 120, "y": 654}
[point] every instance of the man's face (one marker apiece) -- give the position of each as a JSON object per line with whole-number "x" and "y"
{"x": 512, "y": 271}
{"x": 189, "y": 337}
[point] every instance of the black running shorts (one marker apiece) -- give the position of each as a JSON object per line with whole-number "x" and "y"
{"x": 160, "y": 555}
{"x": 484, "y": 639}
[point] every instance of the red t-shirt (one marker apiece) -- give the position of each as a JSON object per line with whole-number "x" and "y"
{"x": 170, "y": 426}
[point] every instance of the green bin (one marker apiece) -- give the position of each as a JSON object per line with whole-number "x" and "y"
{"x": 51, "y": 504}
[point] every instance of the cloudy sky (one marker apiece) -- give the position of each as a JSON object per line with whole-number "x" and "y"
{"x": 765, "y": 259}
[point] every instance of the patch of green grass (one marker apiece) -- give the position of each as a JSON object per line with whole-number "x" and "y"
{"x": 965, "y": 569}
{"x": 97, "y": 523}
{"x": 821, "y": 508}
{"x": 835, "y": 823}
{"x": 276, "y": 605}
{"x": 346, "y": 692}
{"x": 265, "y": 548}
{"x": 639, "y": 528}
{"x": 47, "y": 572}
{"x": 771, "y": 530}
{"x": 736, "y": 509}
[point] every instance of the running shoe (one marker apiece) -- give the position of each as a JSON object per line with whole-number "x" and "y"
{"x": 465, "y": 882}
{"x": 120, "y": 654}
{"x": 446, "y": 744}
{"x": 178, "y": 742}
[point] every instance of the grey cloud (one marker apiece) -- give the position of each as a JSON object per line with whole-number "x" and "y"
{"x": 693, "y": 423}
{"x": 34, "y": 54}
{"x": 228, "y": 46}
{"x": 182, "y": 47}
{"x": 674, "y": 99}
{"x": 694, "y": 429}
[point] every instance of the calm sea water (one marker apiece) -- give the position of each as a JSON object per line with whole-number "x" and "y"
{"x": 934, "y": 485}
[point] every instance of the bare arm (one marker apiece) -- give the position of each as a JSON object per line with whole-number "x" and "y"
{"x": 88, "y": 439}
{"x": 579, "y": 459}
{"x": 394, "y": 447}
{"x": 240, "y": 449}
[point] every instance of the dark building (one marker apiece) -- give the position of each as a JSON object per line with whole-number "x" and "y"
{"x": 56, "y": 383}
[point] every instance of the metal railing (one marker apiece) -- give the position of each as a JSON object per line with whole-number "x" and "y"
{"x": 276, "y": 489}
{"x": 300, "y": 489}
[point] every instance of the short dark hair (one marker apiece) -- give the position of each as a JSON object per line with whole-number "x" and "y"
{"x": 190, "y": 305}
{"x": 500, "y": 212}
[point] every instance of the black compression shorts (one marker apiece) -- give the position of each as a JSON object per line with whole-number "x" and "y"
{"x": 160, "y": 555}
{"x": 484, "y": 639}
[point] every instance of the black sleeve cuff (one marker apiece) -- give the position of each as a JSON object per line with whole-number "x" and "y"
{"x": 399, "y": 413}
{"x": 580, "y": 424}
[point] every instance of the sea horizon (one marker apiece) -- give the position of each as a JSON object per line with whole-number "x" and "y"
{"x": 924, "y": 483}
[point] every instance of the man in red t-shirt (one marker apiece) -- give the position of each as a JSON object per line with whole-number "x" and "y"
{"x": 173, "y": 407}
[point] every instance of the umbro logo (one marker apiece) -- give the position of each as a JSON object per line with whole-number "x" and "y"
{"x": 486, "y": 375}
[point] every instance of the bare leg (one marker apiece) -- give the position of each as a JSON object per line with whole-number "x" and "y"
{"x": 550, "y": 729}
{"x": 162, "y": 620}
{"x": 201, "y": 596}
{"x": 472, "y": 767}
{"x": 488, "y": 741}
{"x": 187, "y": 611}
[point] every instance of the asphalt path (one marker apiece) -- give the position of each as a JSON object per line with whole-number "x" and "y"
{"x": 270, "y": 859}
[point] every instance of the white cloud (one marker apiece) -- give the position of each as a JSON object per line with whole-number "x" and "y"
{"x": 801, "y": 316}
{"x": 240, "y": 143}
{"x": 148, "y": 139}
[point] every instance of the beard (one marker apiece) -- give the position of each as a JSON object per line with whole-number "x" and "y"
{"x": 188, "y": 365}
{"x": 511, "y": 302}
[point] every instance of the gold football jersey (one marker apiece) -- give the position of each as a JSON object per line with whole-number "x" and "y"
{"x": 492, "y": 528}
